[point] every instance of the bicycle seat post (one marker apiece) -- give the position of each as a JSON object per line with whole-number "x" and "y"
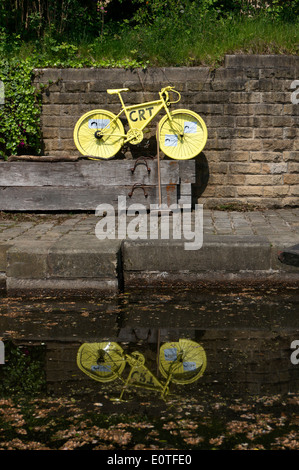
{"x": 118, "y": 91}
{"x": 121, "y": 100}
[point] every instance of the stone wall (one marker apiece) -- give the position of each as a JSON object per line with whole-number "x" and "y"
{"x": 250, "y": 106}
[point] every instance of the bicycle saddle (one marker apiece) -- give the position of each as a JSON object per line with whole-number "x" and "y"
{"x": 116, "y": 90}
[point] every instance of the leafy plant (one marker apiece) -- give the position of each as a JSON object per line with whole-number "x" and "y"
{"x": 20, "y": 115}
{"x": 23, "y": 371}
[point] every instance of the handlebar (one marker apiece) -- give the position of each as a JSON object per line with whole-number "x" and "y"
{"x": 164, "y": 91}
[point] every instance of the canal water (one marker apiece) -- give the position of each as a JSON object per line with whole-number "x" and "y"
{"x": 246, "y": 395}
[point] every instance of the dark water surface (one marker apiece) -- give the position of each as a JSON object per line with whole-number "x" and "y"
{"x": 247, "y": 395}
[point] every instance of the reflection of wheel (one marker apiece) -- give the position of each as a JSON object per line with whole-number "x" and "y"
{"x": 99, "y": 134}
{"x": 184, "y": 136}
{"x": 101, "y": 361}
{"x": 185, "y": 360}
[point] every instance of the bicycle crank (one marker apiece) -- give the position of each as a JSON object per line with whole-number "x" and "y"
{"x": 134, "y": 136}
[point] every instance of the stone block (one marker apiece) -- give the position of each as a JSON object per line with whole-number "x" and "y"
{"x": 261, "y": 61}
{"x": 218, "y": 253}
{"x": 245, "y": 191}
{"x": 28, "y": 260}
{"x": 245, "y": 168}
{"x": 84, "y": 257}
{"x": 3, "y": 250}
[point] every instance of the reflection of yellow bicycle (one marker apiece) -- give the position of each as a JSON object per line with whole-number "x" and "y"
{"x": 181, "y": 362}
{"x": 100, "y": 134}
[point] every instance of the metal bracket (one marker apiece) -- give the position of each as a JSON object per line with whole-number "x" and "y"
{"x": 138, "y": 160}
{"x": 135, "y": 186}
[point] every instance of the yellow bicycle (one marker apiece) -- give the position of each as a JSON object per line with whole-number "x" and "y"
{"x": 182, "y": 362}
{"x": 100, "y": 134}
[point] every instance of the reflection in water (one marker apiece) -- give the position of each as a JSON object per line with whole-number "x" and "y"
{"x": 246, "y": 335}
{"x": 246, "y": 396}
{"x": 181, "y": 362}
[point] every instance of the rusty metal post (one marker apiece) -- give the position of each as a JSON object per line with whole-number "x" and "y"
{"x": 158, "y": 160}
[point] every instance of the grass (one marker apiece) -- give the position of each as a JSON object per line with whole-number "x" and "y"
{"x": 207, "y": 42}
{"x": 199, "y": 40}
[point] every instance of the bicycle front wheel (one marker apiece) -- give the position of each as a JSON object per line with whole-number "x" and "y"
{"x": 183, "y": 136}
{"x": 99, "y": 134}
{"x": 103, "y": 362}
{"x": 184, "y": 360}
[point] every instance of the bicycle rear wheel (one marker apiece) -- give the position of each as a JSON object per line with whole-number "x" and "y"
{"x": 184, "y": 360}
{"x": 183, "y": 136}
{"x": 102, "y": 147}
{"x": 103, "y": 362}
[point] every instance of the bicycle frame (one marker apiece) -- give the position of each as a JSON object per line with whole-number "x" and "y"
{"x": 140, "y": 376}
{"x": 140, "y": 115}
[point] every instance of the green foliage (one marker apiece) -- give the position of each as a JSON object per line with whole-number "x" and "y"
{"x": 23, "y": 372}
{"x": 275, "y": 9}
{"x": 36, "y": 17}
{"x": 20, "y": 115}
{"x": 149, "y": 11}
{"x": 72, "y": 19}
